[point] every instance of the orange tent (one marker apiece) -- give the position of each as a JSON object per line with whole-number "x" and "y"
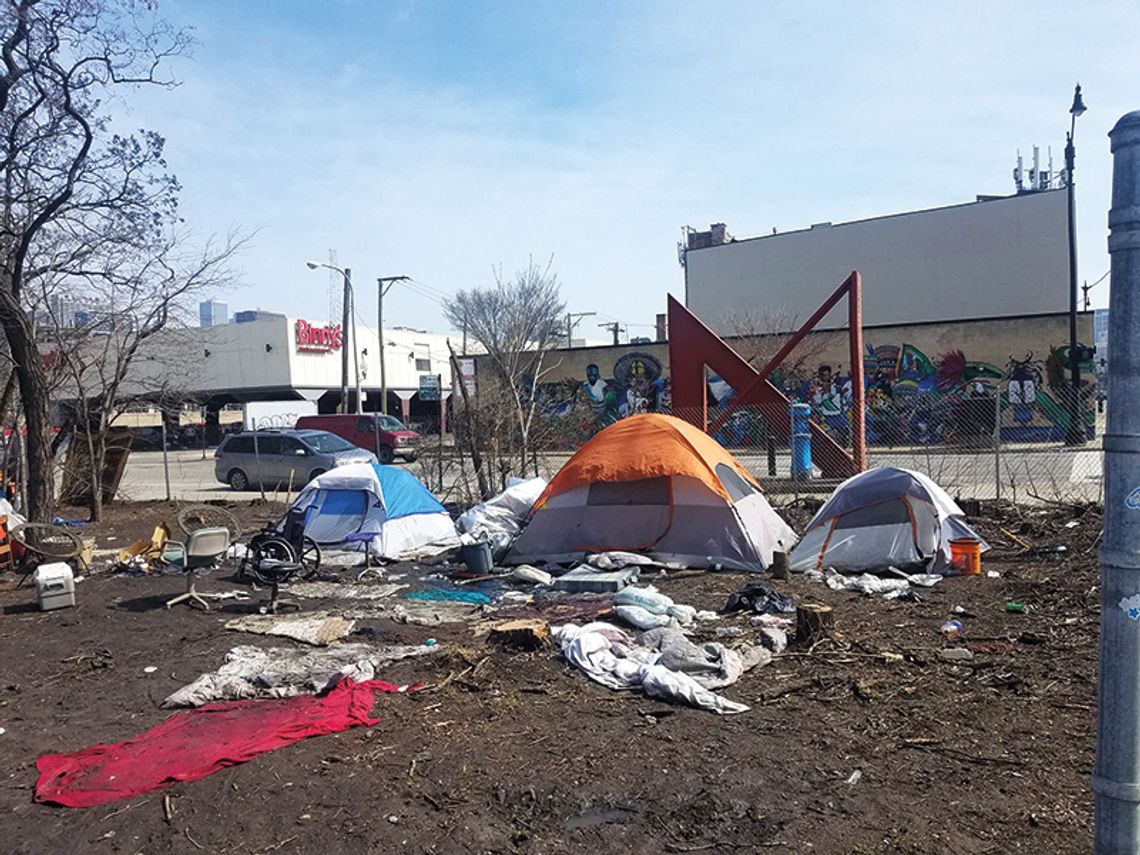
{"x": 655, "y": 484}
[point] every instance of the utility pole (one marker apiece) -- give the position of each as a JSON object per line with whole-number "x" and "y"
{"x": 344, "y": 318}
{"x": 356, "y": 358}
{"x": 616, "y": 328}
{"x": 572, "y": 319}
{"x": 1076, "y": 433}
{"x": 1116, "y": 778}
{"x": 381, "y": 290}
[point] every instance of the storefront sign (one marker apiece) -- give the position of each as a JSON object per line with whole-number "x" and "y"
{"x": 314, "y": 339}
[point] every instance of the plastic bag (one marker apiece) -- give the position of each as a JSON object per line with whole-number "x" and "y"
{"x": 760, "y": 598}
{"x": 648, "y": 598}
{"x": 641, "y": 618}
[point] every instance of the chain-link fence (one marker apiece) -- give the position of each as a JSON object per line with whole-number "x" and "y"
{"x": 974, "y": 441}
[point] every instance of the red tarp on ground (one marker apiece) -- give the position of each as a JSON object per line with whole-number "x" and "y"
{"x": 191, "y": 745}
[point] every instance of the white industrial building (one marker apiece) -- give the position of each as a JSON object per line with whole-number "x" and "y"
{"x": 273, "y": 357}
{"x": 998, "y": 257}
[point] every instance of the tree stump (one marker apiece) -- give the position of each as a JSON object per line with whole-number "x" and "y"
{"x": 779, "y": 565}
{"x": 814, "y": 622}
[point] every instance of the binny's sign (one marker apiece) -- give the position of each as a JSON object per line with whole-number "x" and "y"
{"x": 315, "y": 339}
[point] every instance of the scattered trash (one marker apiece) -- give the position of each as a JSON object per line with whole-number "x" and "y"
{"x": 2, "y": 731}
{"x": 449, "y": 596}
{"x": 993, "y": 574}
{"x": 431, "y": 642}
{"x": 1072, "y": 523}
{"x": 318, "y": 628}
{"x": 1016, "y": 608}
{"x": 760, "y": 597}
{"x": 774, "y": 639}
{"x": 656, "y": 604}
{"x": 616, "y": 560}
{"x": 150, "y": 669}
{"x": 956, "y": 654}
{"x": 609, "y": 656}
{"x": 729, "y": 630}
{"x": 855, "y": 776}
{"x": 499, "y": 520}
{"x": 55, "y": 586}
{"x": 958, "y": 610}
{"x": 282, "y": 672}
{"x": 641, "y": 618}
{"x": 888, "y": 588}
{"x": 586, "y": 579}
{"x": 530, "y": 573}
{"x": 951, "y": 629}
{"x": 336, "y": 591}
{"x": 891, "y": 657}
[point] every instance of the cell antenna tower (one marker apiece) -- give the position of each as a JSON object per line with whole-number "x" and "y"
{"x": 336, "y": 291}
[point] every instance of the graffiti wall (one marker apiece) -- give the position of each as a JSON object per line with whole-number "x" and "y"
{"x": 925, "y": 385}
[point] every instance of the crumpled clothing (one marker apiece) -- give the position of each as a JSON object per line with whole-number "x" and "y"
{"x": 609, "y": 656}
{"x": 191, "y": 745}
{"x": 760, "y": 597}
{"x": 889, "y": 588}
{"x": 711, "y": 664}
{"x": 282, "y": 672}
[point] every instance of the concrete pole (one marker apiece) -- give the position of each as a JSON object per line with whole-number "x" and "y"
{"x": 1116, "y": 779}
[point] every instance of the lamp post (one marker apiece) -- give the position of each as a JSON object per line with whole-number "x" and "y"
{"x": 346, "y": 303}
{"x": 1075, "y": 435}
{"x": 383, "y": 285}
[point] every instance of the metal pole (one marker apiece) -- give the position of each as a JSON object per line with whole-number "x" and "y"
{"x": 344, "y": 316}
{"x": 380, "y": 335}
{"x": 997, "y": 442}
{"x": 855, "y": 340}
{"x": 1075, "y": 435}
{"x": 1116, "y": 779}
{"x": 356, "y": 358}
{"x": 439, "y": 383}
{"x": 381, "y": 291}
{"x": 165, "y": 460}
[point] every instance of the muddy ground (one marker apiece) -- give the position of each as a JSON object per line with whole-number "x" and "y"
{"x": 845, "y": 750}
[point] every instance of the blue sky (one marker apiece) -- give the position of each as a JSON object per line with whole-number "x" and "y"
{"x": 443, "y": 139}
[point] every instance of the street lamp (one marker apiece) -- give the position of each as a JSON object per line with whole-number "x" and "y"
{"x": 346, "y": 274}
{"x": 1076, "y": 433}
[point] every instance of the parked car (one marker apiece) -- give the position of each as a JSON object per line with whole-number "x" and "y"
{"x": 387, "y": 436}
{"x": 150, "y": 439}
{"x": 272, "y": 457}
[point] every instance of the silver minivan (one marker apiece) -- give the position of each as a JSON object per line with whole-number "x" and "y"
{"x": 272, "y": 457}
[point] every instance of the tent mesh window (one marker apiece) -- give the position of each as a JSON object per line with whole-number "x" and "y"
{"x": 736, "y": 486}
{"x": 643, "y": 491}
{"x": 890, "y": 512}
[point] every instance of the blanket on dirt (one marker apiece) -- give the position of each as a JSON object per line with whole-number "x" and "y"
{"x": 191, "y": 745}
{"x": 283, "y": 672}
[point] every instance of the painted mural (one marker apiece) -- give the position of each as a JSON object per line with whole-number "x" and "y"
{"x": 911, "y": 397}
{"x": 635, "y": 384}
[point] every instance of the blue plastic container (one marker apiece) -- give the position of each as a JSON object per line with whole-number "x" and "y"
{"x": 477, "y": 557}
{"x": 801, "y": 442}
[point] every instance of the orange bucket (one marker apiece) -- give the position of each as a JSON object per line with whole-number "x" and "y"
{"x": 966, "y": 555}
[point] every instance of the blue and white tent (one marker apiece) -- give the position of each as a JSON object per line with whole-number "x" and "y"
{"x": 364, "y": 498}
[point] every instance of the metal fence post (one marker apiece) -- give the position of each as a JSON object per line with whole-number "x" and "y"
{"x": 1116, "y": 779}
{"x": 997, "y": 443}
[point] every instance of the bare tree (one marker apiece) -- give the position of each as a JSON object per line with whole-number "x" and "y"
{"x": 128, "y": 343}
{"x": 516, "y": 322}
{"x": 71, "y": 187}
{"x": 758, "y": 335}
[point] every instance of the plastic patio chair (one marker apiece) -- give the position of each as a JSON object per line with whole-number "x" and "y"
{"x": 202, "y": 549}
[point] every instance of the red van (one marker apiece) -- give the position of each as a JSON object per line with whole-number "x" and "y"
{"x": 385, "y": 435}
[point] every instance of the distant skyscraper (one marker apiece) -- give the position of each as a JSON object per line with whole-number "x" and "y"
{"x": 211, "y": 313}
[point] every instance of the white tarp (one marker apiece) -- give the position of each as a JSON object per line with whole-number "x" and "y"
{"x": 501, "y": 518}
{"x": 608, "y": 655}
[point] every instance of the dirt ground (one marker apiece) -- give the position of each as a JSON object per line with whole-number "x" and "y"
{"x": 845, "y": 750}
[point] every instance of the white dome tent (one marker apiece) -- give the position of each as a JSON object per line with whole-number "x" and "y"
{"x": 883, "y": 518}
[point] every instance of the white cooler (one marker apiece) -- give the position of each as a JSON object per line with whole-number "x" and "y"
{"x": 55, "y": 586}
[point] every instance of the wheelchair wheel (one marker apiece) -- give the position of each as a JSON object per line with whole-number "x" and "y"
{"x": 272, "y": 548}
{"x": 310, "y": 558}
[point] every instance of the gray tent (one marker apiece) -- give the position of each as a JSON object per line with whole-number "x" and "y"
{"x": 883, "y": 518}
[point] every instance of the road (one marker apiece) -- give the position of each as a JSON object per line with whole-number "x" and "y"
{"x": 1032, "y": 473}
